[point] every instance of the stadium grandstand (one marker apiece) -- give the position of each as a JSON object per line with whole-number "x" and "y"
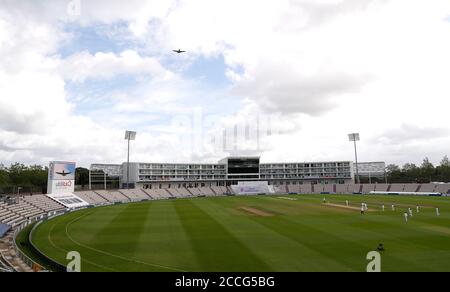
{"x": 228, "y": 171}
{"x": 229, "y": 177}
{"x": 104, "y": 197}
{"x": 14, "y": 216}
{"x": 17, "y": 213}
{"x": 27, "y": 207}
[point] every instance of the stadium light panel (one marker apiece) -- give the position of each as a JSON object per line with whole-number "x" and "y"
{"x": 130, "y": 135}
{"x": 353, "y": 137}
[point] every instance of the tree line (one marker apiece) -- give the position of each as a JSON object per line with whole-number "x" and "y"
{"x": 25, "y": 179}
{"x": 424, "y": 173}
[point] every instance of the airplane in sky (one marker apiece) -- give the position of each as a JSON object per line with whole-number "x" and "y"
{"x": 63, "y": 173}
{"x": 179, "y": 51}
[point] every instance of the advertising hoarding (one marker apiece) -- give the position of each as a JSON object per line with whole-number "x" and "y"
{"x": 61, "y": 177}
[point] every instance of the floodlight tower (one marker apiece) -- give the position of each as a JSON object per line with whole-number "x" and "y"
{"x": 129, "y": 135}
{"x": 353, "y": 137}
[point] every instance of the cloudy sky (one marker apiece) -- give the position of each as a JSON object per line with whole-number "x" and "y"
{"x": 285, "y": 79}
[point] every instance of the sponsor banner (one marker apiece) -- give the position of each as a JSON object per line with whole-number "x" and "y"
{"x": 69, "y": 200}
{"x": 61, "y": 177}
{"x": 251, "y": 187}
{"x": 62, "y": 186}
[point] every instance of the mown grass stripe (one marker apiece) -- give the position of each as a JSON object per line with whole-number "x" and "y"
{"x": 164, "y": 238}
{"x": 127, "y": 260}
{"x": 210, "y": 234}
{"x": 215, "y": 247}
{"x": 281, "y": 252}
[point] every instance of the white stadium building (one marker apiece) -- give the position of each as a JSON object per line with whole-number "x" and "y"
{"x": 227, "y": 172}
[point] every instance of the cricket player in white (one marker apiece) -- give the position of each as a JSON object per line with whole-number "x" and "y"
{"x": 418, "y": 209}
{"x": 382, "y": 208}
{"x": 406, "y": 217}
{"x": 346, "y": 203}
{"x": 437, "y": 212}
{"x": 410, "y": 212}
{"x": 393, "y": 208}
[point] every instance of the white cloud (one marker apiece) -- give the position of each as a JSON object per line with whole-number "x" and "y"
{"x": 101, "y": 65}
{"x": 37, "y": 122}
{"x": 323, "y": 68}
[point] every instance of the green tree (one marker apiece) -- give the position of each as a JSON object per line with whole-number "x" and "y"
{"x": 409, "y": 167}
{"x": 445, "y": 162}
{"x": 393, "y": 173}
{"x": 4, "y": 179}
{"x": 392, "y": 168}
{"x": 426, "y": 164}
{"x": 30, "y": 178}
{"x": 443, "y": 170}
{"x": 427, "y": 171}
{"x": 81, "y": 176}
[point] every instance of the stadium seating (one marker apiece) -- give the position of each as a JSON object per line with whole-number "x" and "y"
{"x": 443, "y": 188}
{"x": 184, "y": 193}
{"x": 113, "y": 196}
{"x": 381, "y": 187}
{"x": 341, "y": 189}
{"x": 27, "y": 207}
{"x": 280, "y": 189}
{"x": 163, "y": 194}
{"x": 355, "y": 188}
{"x": 224, "y": 190}
{"x": 206, "y": 191}
{"x": 195, "y": 192}
{"x": 294, "y": 189}
{"x": 174, "y": 192}
{"x": 135, "y": 194}
{"x": 217, "y": 191}
{"x": 328, "y": 188}
{"x": 396, "y": 188}
{"x": 410, "y": 187}
{"x": 105, "y": 197}
{"x": 43, "y": 203}
{"x": 158, "y": 194}
{"x": 367, "y": 188}
{"x": 427, "y": 188}
{"x": 229, "y": 190}
{"x": 317, "y": 189}
{"x": 306, "y": 188}
{"x": 92, "y": 198}
{"x": 149, "y": 193}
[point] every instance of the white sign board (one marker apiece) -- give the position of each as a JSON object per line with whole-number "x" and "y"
{"x": 251, "y": 188}
{"x": 61, "y": 177}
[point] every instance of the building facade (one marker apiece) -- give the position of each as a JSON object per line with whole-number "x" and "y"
{"x": 229, "y": 171}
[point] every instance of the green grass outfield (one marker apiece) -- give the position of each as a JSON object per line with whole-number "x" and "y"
{"x": 217, "y": 234}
